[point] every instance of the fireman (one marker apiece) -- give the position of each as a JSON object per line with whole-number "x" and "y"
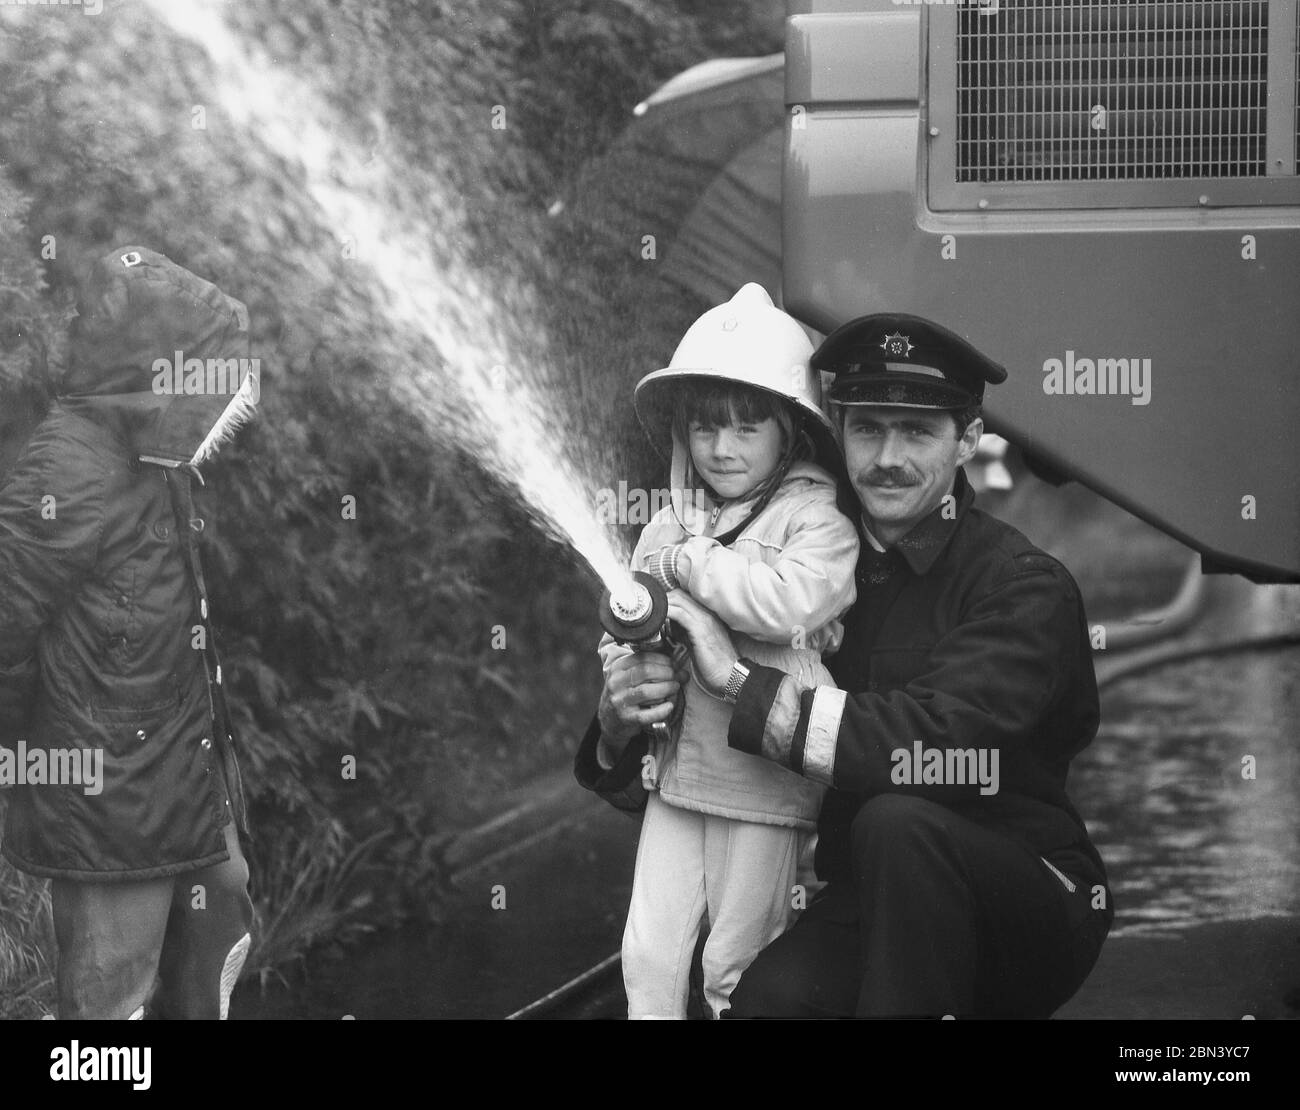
{"x": 949, "y": 890}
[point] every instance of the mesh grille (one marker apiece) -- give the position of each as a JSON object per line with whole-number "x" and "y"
{"x": 1050, "y": 90}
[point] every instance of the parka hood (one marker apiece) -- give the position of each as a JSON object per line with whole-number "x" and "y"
{"x": 161, "y": 357}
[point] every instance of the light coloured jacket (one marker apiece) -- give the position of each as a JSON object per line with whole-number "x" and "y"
{"x": 779, "y": 588}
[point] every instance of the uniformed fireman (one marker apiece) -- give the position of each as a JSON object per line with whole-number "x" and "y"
{"x": 960, "y": 880}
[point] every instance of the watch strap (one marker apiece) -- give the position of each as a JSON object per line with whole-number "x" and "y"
{"x": 735, "y": 680}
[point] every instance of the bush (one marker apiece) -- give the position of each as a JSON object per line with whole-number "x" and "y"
{"x": 368, "y": 637}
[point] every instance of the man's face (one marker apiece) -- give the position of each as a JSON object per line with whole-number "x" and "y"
{"x": 902, "y": 461}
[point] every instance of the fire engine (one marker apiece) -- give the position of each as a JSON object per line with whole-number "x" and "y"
{"x": 1104, "y": 198}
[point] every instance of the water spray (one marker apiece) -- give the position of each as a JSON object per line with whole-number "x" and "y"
{"x": 494, "y": 390}
{"x": 636, "y": 614}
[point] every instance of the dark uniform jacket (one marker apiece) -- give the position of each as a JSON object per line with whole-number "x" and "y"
{"x": 105, "y": 645}
{"x": 964, "y": 637}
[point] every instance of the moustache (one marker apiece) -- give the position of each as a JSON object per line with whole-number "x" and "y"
{"x": 889, "y": 479}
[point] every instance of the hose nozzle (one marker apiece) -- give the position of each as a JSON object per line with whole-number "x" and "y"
{"x": 632, "y": 604}
{"x": 635, "y": 615}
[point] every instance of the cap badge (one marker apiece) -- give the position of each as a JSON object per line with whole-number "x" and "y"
{"x": 730, "y": 324}
{"x": 896, "y": 345}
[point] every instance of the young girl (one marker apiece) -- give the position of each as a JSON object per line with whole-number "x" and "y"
{"x": 753, "y": 534}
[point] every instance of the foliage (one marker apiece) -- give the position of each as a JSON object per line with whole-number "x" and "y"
{"x": 26, "y": 942}
{"x": 366, "y": 638}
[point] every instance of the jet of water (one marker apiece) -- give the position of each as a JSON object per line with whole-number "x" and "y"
{"x": 488, "y": 399}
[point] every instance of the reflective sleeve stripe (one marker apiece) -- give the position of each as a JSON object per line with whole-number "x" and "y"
{"x": 782, "y": 721}
{"x": 823, "y": 731}
{"x": 800, "y": 733}
{"x": 749, "y": 729}
{"x": 779, "y": 719}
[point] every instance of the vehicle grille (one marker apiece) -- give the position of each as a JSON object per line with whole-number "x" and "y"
{"x": 1050, "y": 90}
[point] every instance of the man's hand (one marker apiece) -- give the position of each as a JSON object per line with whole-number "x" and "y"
{"x": 712, "y": 651}
{"x": 639, "y": 690}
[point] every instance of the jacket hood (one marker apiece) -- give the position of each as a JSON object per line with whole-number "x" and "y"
{"x": 161, "y": 357}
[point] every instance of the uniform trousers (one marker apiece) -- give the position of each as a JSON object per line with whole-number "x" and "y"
{"x": 941, "y": 917}
{"x": 696, "y": 870}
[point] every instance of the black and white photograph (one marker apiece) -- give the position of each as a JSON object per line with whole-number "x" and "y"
{"x": 601, "y": 510}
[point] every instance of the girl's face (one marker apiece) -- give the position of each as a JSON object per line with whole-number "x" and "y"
{"x": 734, "y": 458}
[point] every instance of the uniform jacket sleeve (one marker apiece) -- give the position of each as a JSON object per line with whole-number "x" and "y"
{"x": 621, "y": 785}
{"x": 809, "y": 584}
{"x": 987, "y": 683}
{"x": 51, "y": 515}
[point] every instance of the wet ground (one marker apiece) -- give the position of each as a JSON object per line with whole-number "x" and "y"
{"x": 1193, "y": 782}
{"x": 1191, "y": 790}
{"x": 560, "y": 907}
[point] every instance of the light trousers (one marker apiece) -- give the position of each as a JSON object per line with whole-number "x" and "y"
{"x": 696, "y": 870}
{"x": 175, "y": 944}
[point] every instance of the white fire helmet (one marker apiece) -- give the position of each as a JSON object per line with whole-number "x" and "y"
{"x": 750, "y": 341}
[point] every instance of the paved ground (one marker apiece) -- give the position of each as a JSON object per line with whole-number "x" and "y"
{"x": 1222, "y": 969}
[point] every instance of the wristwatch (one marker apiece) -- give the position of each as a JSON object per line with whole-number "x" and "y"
{"x": 735, "y": 680}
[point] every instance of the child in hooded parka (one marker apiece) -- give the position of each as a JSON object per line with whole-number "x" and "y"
{"x": 753, "y": 533}
{"x": 107, "y": 655}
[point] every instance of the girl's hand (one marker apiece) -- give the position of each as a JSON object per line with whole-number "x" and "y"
{"x": 712, "y": 651}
